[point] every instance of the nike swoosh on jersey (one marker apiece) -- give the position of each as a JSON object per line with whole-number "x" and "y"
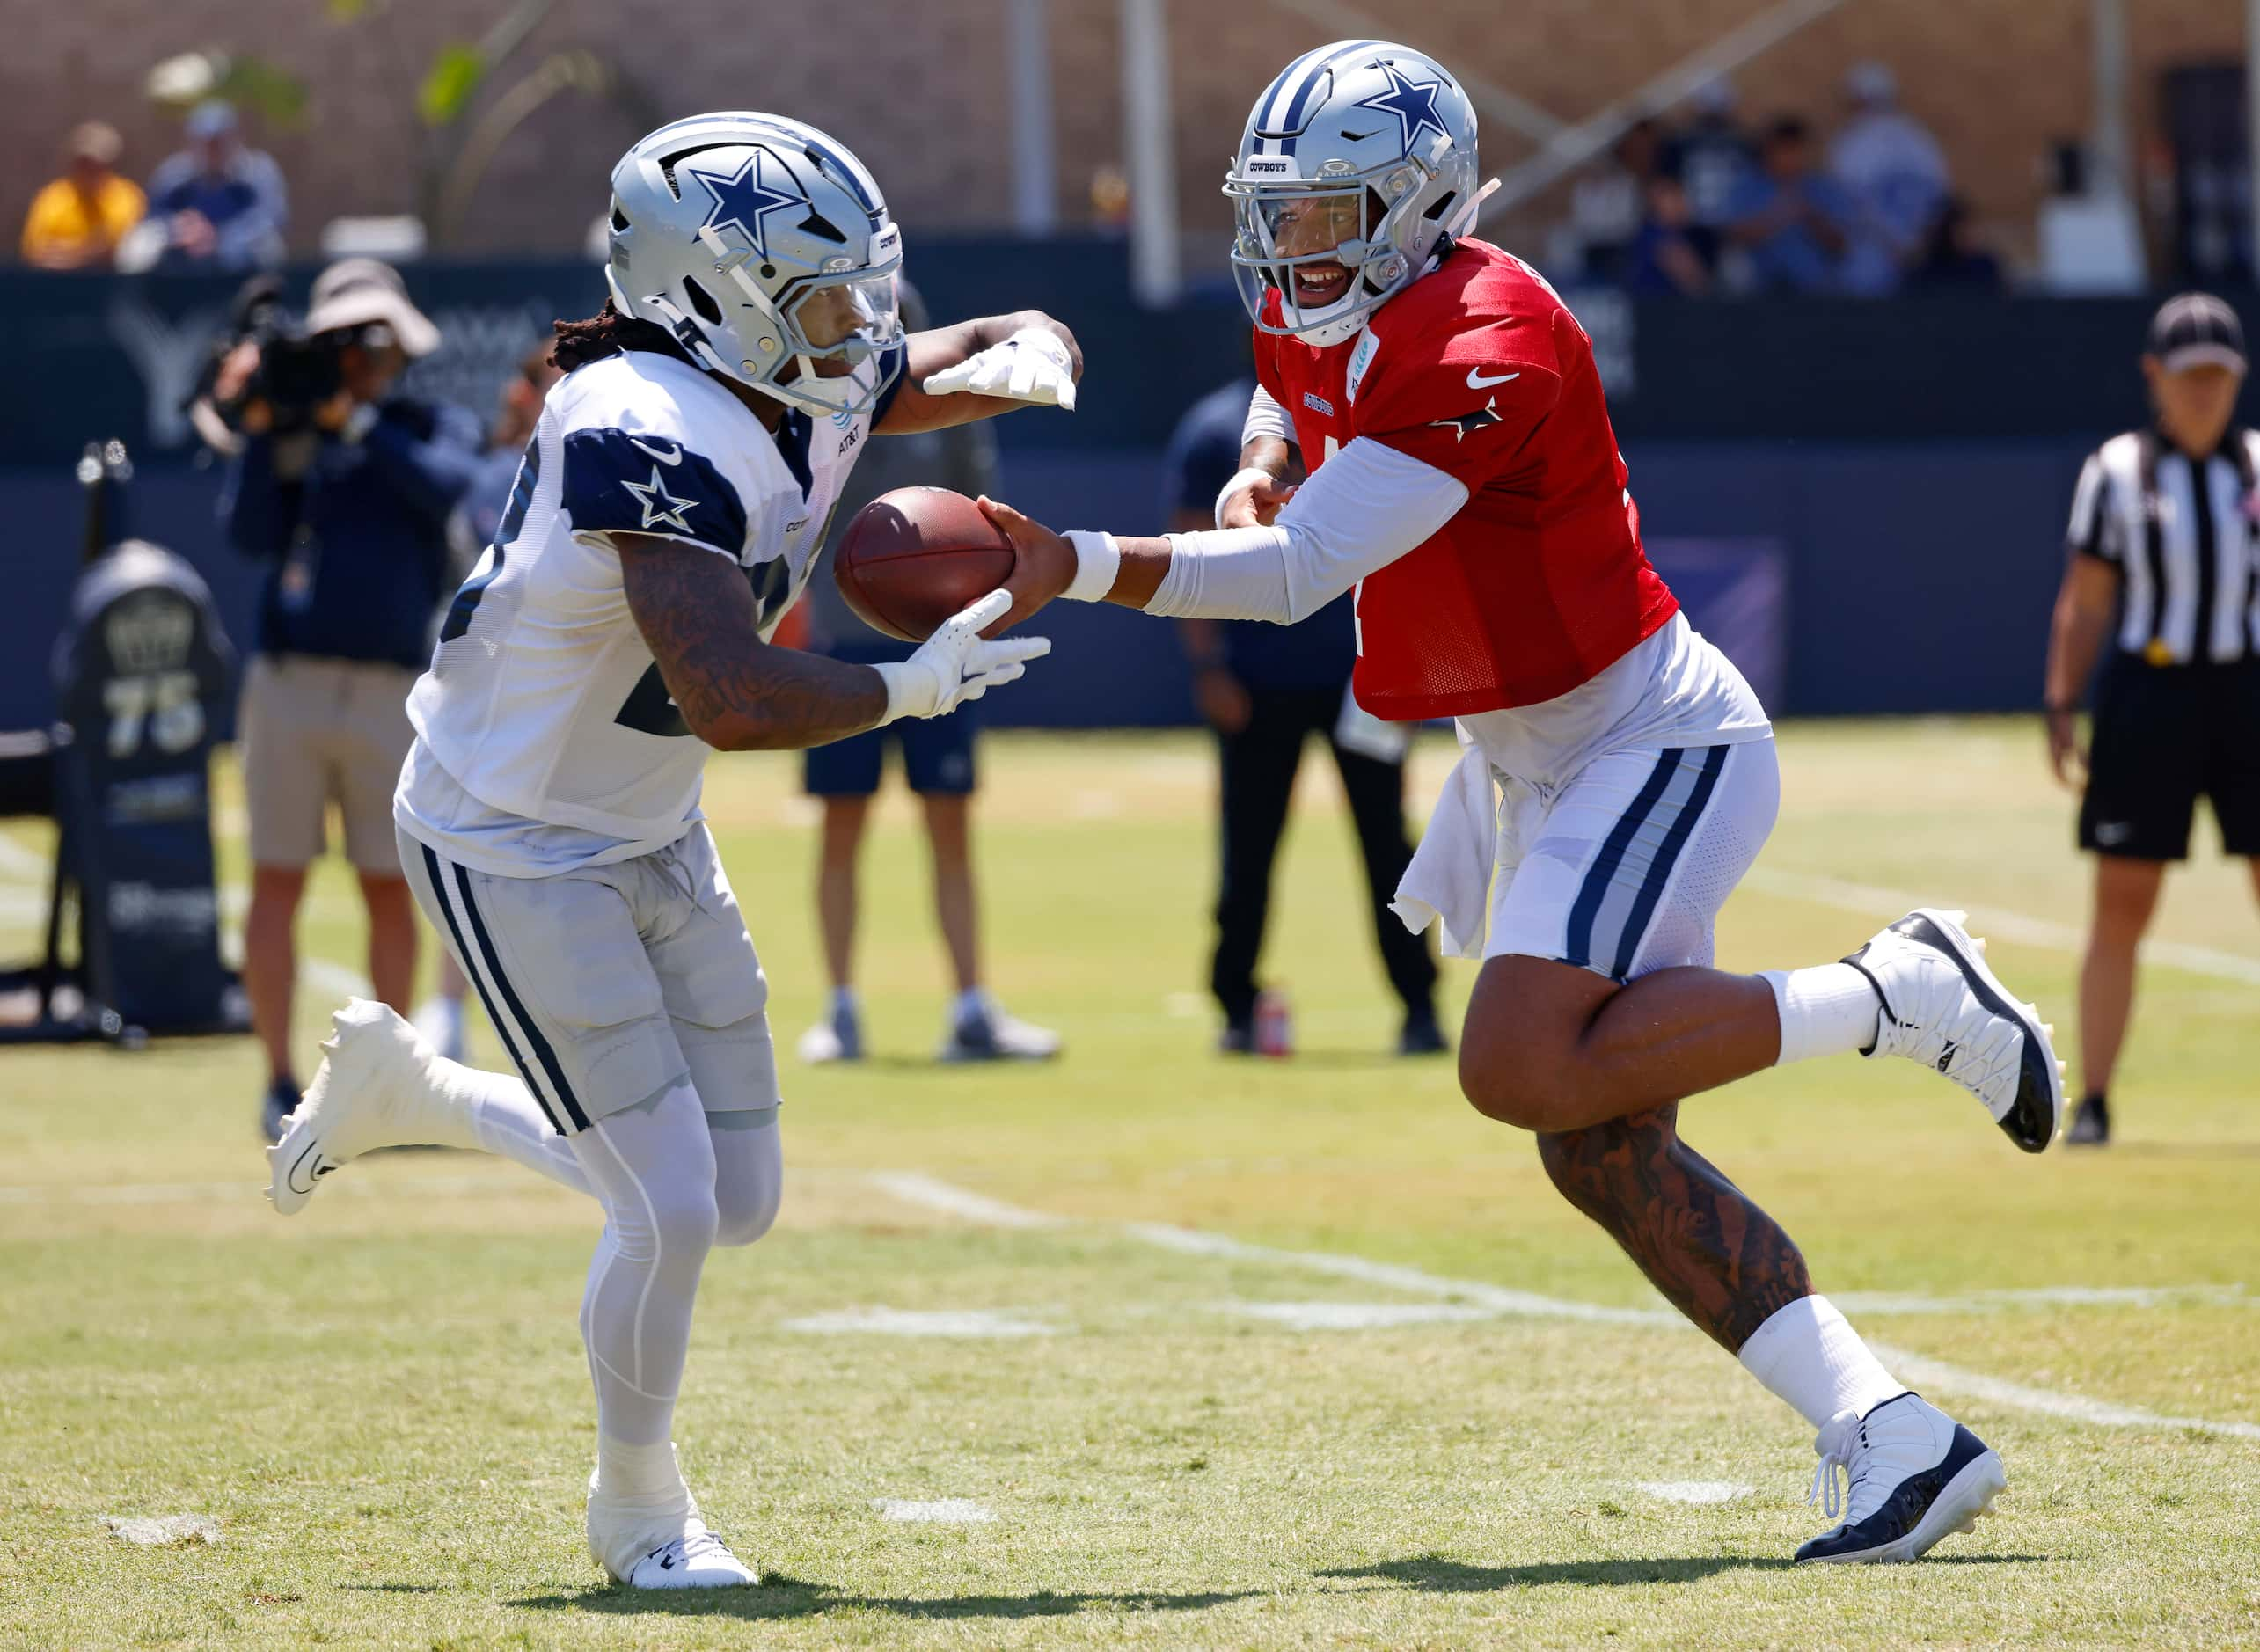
{"x": 1477, "y": 381}
{"x": 673, "y": 457}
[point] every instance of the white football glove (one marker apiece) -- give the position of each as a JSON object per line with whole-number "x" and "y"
{"x": 1032, "y": 366}
{"x": 955, "y": 665}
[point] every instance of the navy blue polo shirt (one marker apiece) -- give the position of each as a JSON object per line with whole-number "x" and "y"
{"x": 1203, "y": 452}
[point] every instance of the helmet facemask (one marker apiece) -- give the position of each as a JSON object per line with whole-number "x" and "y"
{"x": 1326, "y": 246}
{"x": 828, "y": 331}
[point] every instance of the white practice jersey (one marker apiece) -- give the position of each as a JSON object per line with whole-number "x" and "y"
{"x": 544, "y": 738}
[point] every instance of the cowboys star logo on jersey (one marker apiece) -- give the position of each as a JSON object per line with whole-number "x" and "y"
{"x": 661, "y": 508}
{"x": 1467, "y": 424}
{"x": 745, "y": 198}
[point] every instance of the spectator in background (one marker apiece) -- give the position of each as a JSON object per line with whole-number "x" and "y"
{"x": 1607, "y": 204}
{"x": 937, "y": 762}
{"x": 1894, "y": 174}
{"x": 77, "y": 222}
{"x": 1265, "y": 689}
{"x": 1711, "y": 154}
{"x": 474, "y": 524}
{"x": 1791, "y": 220}
{"x": 223, "y": 203}
{"x": 1951, "y": 259}
{"x": 348, "y": 500}
{"x": 1672, "y": 255}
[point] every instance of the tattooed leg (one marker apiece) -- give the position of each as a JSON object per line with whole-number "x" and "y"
{"x": 1718, "y": 1258}
{"x": 1548, "y": 1046}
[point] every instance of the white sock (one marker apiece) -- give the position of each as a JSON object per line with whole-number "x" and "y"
{"x": 1811, "y": 1358}
{"x": 504, "y": 1118}
{"x": 636, "y": 1471}
{"x": 1829, "y": 1010}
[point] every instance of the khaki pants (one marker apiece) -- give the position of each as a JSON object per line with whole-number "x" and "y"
{"x": 611, "y": 983}
{"x": 316, "y": 730}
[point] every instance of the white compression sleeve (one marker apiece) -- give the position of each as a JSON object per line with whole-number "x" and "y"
{"x": 1266, "y": 418}
{"x": 1359, "y": 511}
{"x": 653, "y": 1167}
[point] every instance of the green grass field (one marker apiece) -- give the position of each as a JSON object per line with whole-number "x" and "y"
{"x": 1198, "y": 1414}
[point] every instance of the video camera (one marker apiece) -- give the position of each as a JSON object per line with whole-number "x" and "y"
{"x": 298, "y": 370}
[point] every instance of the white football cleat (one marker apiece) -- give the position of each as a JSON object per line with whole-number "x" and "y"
{"x": 660, "y": 1542}
{"x": 1913, "y": 1475}
{"x": 373, "y": 1090}
{"x": 1944, "y": 1007}
{"x": 696, "y": 1559}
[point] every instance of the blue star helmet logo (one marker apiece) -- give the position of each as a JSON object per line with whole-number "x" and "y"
{"x": 1412, "y": 101}
{"x": 745, "y": 198}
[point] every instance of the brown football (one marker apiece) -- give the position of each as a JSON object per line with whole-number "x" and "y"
{"x": 912, "y": 558}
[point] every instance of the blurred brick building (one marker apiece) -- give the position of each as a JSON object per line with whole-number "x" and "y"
{"x": 920, "y": 87}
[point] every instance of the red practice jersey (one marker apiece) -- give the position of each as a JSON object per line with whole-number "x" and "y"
{"x": 1540, "y": 581}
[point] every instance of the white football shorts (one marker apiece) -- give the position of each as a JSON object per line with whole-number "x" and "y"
{"x": 1622, "y": 869}
{"x": 609, "y": 983}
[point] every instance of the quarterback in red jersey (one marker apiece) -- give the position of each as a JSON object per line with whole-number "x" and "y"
{"x": 1618, "y": 776}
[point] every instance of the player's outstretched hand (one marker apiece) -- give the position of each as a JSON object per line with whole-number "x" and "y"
{"x": 1032, "y": 366}
{"x": 1043, "y": 563}
{"x": 955, "y": 665}
{"x": 1256, "y": 505}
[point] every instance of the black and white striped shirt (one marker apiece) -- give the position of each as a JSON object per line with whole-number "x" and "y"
{"x": 2184, "y": 535}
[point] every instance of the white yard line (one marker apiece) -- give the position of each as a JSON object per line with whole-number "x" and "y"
{"x": 1916, "y": 1368}
{"x": 912, "y": 1188}
{"x": 1921, "y": 1368}
{"x": 1496, "y": 1298}
{"x": 2017, "y": 927}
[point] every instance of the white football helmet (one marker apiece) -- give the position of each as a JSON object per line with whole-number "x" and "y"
{"x": 764, "y": 247}
{"x": 1359, "y": 158}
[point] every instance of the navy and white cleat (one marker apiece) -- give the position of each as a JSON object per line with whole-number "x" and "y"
{"x": 1913, "y": 1475}
{"x": 1944, "y": 1007}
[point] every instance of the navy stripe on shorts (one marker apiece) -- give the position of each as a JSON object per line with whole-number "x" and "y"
{"x": 1618, "y": 899}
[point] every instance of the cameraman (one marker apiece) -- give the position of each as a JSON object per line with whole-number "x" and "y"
{"x": 344, "y": 489}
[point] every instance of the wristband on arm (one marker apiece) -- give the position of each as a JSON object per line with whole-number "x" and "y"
{"x": 1098, "y": 559}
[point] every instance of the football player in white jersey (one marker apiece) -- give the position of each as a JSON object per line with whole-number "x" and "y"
{"x": 675, "y": 491}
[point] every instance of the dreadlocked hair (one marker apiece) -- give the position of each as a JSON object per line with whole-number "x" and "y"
{"x": 609, "y": 332}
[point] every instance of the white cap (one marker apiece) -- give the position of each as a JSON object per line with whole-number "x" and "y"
{"x": 355, "y": 292}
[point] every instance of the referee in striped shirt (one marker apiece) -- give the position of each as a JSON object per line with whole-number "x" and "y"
{"x": 2164, "y": 561}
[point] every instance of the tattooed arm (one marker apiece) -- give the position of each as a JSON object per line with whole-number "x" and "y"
{"x": 738, "y": 693}
{"x": 1717, "y": 1257}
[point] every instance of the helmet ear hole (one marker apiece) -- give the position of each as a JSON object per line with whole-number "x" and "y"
{"x": 703, "y": 301}
{"x": 620, "y": 218}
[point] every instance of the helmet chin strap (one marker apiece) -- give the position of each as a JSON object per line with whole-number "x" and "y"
{"x": 1464, "y": 220}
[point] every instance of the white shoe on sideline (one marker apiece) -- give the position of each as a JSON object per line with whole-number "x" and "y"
{"x": 1913, "y": 1475}
{"x": 660, "y": 1542}
{"x": 1944, "y": 1008}
{"x": 373, "y": 1090}
{"x": 989, "y": 1034}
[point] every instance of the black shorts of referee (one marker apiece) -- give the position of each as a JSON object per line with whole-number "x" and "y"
{"x": 2164, "y": 736}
